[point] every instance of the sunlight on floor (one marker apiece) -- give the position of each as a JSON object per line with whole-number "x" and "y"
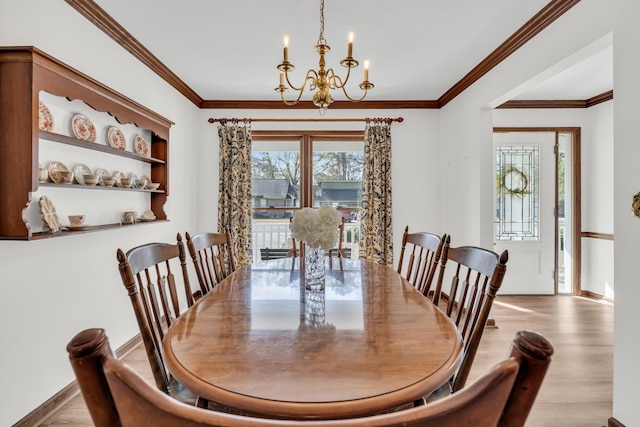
{"x": 598, "y": 301}
{"x": 512, "y": 307}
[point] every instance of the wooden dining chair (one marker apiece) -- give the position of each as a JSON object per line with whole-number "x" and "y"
{"x": 476, "y": 276}
{"x": 117, "y": 396}
{"x": 147, "y": 275}
{"x": 213, "y": 259}
{"x": 420, "y": 267}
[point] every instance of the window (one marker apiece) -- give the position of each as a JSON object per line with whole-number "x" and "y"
{"x": 292, "y": 170}
{"x": 517, "y": 192}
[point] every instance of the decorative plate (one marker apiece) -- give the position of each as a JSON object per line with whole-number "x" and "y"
{"x": 635, "y": 205}
{"x": 116, "y": 138}
{"x": 117, "y": 177}
{"x": 45, "y": 119}
{"x": 49, "y": 215}
{"x": 147, "y": 215}
{"x": 101, "y": 174}
{"x": 78, "y": 227}
{"x": 146, "y": 177}
{"x": 55, "y": 168}
{"x": 79, "y": 170}
{"x": 132, "y": 176}
{"x": 83, "y": 128}
{"x": 141, "y": 146}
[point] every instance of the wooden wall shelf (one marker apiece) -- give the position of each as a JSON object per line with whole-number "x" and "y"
{"x": 92, "y": 229}
{"x": 98, "y": 187}
{"x": 69, "y": 140}
{"x": 25, "y": 72}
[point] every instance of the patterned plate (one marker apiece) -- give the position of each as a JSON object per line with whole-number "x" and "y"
{"x": 118, "y": 177}
{"x": 83, "y": 128}
{"x": 49, "y": 215}
{"x": 141, "y": 146}
{"x": 45, "y": 119}
{"x": 116, "y": 138}
{"x": 79, "y": 171}
{"x": 101, "y": 174}
{"x": 56, "y": 172}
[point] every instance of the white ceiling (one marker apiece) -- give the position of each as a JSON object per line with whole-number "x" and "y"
{"x": 228, "y": 50}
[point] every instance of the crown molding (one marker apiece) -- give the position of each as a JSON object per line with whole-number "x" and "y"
{"x": 603, "y": 97}
{"x": 535, "y": 25}
{"x": 308, "y": 105}
{"x": 101, "y": 19}
{"x": 518, "y": 103}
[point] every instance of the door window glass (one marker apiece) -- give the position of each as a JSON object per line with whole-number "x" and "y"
{"x": 517, "y": 190}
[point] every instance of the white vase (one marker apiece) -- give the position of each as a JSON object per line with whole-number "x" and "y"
{"x": 314, "y": 268}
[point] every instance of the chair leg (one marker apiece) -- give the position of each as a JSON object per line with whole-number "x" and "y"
{"x": 202, "y": 403}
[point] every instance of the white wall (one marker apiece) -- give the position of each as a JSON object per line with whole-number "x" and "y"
{"x": 626, "y": 178}
{"x": 53, "y": 288}
{"x": 597, "y": 200}
{"x": 464, "y": 130}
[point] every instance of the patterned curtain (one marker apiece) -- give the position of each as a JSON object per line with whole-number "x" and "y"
{"x": 234, "y": 202}
{"x": 376, "y": 235}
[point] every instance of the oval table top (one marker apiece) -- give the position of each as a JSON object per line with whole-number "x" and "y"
{"x": 261, "y": 343}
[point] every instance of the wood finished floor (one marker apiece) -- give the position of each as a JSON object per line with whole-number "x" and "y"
{"x": 578, "y": 388}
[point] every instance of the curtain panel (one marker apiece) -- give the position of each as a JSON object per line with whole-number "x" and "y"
{"x": 234, "y": 201}
{"x": 376, "y": 241}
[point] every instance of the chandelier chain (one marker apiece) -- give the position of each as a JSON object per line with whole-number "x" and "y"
{"x": 321, "y": 39}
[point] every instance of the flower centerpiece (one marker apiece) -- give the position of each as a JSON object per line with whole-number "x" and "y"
{"x": 318, "y": 228}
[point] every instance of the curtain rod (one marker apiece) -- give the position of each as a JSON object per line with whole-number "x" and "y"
{"x": 388, "y": 120}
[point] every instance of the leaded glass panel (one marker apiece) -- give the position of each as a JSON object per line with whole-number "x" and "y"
{"x": 518, "y": 194}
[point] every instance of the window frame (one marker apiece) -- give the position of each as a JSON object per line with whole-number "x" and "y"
{"x": 306, "y": 139}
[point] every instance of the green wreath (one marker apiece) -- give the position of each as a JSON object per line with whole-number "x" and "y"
{"x": 514, "y": 181}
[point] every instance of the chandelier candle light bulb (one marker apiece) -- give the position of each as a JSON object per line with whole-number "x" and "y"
{"x": 285, "y": 40}
{"x": 350, "y": 46}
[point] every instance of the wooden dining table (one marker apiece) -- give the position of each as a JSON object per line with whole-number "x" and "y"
{"x": 262, "y": 344}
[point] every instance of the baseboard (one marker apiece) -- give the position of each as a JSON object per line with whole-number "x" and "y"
{"x": 59, "y": 399}
{"x": 589, "y": 294}
{"x": 614, "y": 423}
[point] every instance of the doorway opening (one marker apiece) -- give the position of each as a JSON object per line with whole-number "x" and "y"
{"x": 564, "y": 199}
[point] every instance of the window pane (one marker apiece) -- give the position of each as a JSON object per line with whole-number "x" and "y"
{"x": 275, "y": 189}
{"x": 337, "y": 181}
{"x": 337, "y": 176}
{"x": 275, "y": 168}
{"x": 517, "y": 193}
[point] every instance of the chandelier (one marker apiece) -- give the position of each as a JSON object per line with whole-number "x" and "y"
{"x": 322, "y": 81}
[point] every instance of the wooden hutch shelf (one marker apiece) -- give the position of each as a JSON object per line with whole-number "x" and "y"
{"x": 24, "y": 73}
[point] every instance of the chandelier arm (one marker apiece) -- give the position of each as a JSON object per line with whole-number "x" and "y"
{"x": 337, "y": 81}
{"x": 311, "y": 75}
{"x": 364, "y": 94}
{"x": 292, "y": 103}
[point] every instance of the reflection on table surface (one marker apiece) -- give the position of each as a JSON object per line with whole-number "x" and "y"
{"x": 261, "y": 342}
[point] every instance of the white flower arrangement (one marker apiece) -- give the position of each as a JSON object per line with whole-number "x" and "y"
{"x": 318, "y": 228}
